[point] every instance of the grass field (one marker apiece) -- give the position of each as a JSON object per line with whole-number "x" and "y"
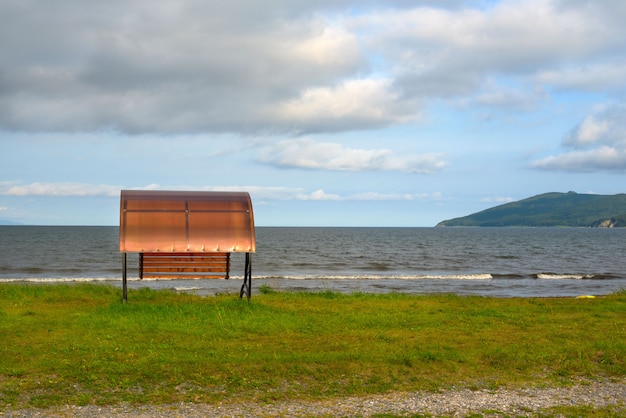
{"x": 79, "y": 344}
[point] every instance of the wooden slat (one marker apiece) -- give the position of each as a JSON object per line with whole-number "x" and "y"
{"x": 185, "y": 269}
{"x": 179, "y": 254}
{"x": 203, "y": 263}
{"x": 185, "y": 265}
{"x": 166, "y": 264}
{"x": 171, "y": 276}
{"x": 181, "y": 258}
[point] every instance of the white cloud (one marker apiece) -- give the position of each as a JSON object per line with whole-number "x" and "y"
{"x": 396, "y": 196}
{"x": 320, "y": 194}
{"x": 258, "y": 193}
{"x": 291, "y": 193}
{"x": 607, "y": 126}
{"x": 194, "y": 67}
{"x": 61, "y": 189}
{"x": 308, "y": 154}
{"x": 600, "y": 159}
{"x": 598, "y": 143}
{"x": 363, "y": 103}
{"x": 589, "y": 131}
{"x": 516, "y": 98}
{"x": 276, "y": 66}
{"x": 497, "y": 199}
{"x": 602, "y": 76}
{"x": 66, "y": 189}
{"x": 451, "y": 53}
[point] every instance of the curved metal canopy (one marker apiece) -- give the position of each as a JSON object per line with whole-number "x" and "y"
{"x": 176, "y": 221}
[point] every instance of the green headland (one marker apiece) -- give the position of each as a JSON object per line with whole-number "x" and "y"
{"x": 553, "y": 210}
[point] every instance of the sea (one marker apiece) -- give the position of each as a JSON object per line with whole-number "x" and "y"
{"x": 497, "y": 262}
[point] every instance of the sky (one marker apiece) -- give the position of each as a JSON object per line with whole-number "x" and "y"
{"x": 329, "y": 113}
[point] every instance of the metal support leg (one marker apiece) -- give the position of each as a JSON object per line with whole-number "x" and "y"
{"x": 247, "y": 279}
{"x": 140, "y": 266}
{"x": 124, "y": 280}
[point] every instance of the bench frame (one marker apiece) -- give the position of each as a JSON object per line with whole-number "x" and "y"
{"x": 188, "y": 265}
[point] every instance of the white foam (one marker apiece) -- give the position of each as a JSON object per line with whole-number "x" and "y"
{"x": 61, "y": 279}
{"x": 561, "y": 276}
{"x": 477, "y": 276}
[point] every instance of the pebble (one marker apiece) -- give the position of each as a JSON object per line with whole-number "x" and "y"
{"x": 451, "y": 403}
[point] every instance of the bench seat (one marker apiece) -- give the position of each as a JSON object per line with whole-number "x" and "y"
{"x": 184, "y": 265}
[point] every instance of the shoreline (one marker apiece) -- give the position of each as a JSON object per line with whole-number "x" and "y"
{"x": 497, "y": 288}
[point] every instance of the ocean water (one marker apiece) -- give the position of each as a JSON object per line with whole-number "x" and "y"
{"x": 502, "y": 262}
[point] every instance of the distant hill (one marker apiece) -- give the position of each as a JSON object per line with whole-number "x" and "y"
{"x": 7, "y": 222}
{"x": 552, "y": 209}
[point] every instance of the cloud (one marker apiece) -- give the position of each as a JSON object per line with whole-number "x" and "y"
{"x": 397, "y": 196}
{"x": 60, "y": 189}
{"x": 308, "y": 154}
{"x": 607, "y": 126}
{"x": 320, "y": 194}
{"x": 283, "y": 67}
{"x": 137, "y": 68}
{"x": 497, "y": 199}
{"x": 601, "y": 159}
{"x": 11, "y": 188}
{"x": 452, "y": 53}
{"x": 86, "y": 189}
{"x": 589, "y": 131}
{"x": 595, "y": 76}
{"x": 598, "y": 143}
{"x": 190, "y": 67}
{"x": 291, "y": 193}
{"x": 501, "y": 97}
{"x": 363, "y": 103}
{"x": 260, "y": 193}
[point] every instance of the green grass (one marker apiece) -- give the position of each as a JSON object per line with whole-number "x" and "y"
{"x": 79, "y": 344}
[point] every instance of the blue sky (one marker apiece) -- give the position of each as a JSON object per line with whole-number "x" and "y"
{"x": 330, "y": 113}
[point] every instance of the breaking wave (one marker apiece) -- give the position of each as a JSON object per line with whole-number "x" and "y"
{"x": 553, "y": 276}
{"x": 479, "y": 276}
{"x": 60, "y": 279}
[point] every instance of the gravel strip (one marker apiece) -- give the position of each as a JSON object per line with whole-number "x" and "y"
{"x": 455, "y": 403}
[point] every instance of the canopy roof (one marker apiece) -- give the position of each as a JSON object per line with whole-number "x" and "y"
{"x": 175, "y": 221}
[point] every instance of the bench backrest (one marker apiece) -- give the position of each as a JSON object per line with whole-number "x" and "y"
{"x": 184, "y": 265}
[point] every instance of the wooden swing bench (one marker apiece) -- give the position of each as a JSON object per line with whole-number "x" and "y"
{"x": 183, "y": 234}
{"x": 184, "y": 265}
